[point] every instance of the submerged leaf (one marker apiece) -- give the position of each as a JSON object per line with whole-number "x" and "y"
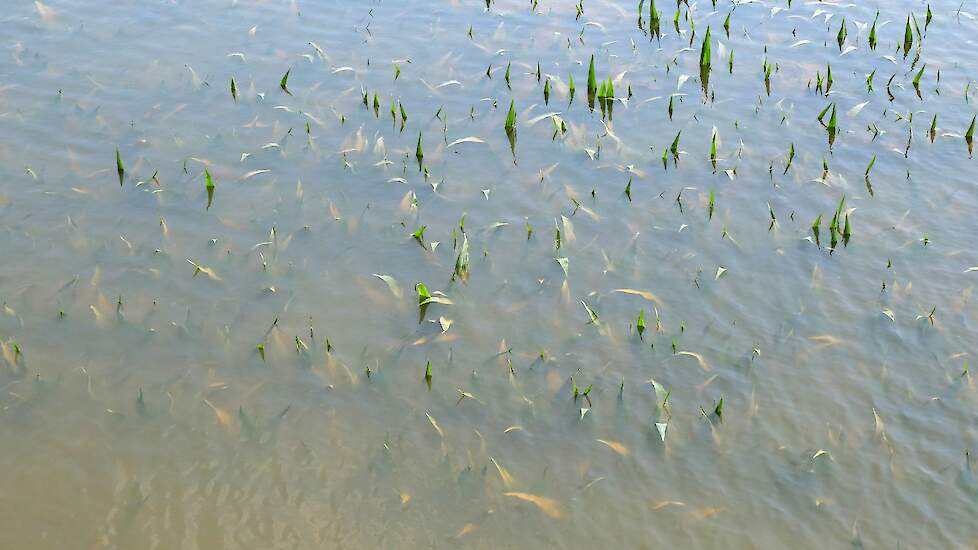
{"x": 548, "y": 506}
{"x": 615, "y": 446}
{"x": 392, "y": 284}
{"x": 590, "y": 312}
{"x": 642, "y": 293}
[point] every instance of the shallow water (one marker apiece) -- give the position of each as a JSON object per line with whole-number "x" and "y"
{"x": 240, "y": 376}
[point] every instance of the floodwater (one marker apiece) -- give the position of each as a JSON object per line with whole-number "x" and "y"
{"x": 248, "y": 370}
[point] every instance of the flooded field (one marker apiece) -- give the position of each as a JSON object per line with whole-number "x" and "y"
{"x": 488, "y": 274}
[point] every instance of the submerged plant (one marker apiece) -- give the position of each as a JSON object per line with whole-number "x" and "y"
{"x": 607, "y": 90}
{"x": 907, "y": 38}
{"x": 419, "y": 151}
{"x": 592, "y": 84}
{"x": 654, "y": 21}
{"x": 284, "y": 83}
{"x": 706, "y": 59}
{"x": 705, "y": 52}
{"x": 872, "y": 32}
{"x": 969, "y": 136}
{"x": 916, "y": 79}
{"x": 510, "y": 124}
{"x": 118, "y": 166}
{"x": 674, "y": 148}
{"x": 462, "y": 261}
{"x": 832, "y": 126}
{"x": 209, "y": 185}
{"x": 418, "y": 236}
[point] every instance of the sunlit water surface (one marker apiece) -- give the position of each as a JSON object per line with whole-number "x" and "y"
{"x": 252, "y": 374}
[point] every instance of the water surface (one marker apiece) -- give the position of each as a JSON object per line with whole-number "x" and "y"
{"x": 249, "y": 370}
